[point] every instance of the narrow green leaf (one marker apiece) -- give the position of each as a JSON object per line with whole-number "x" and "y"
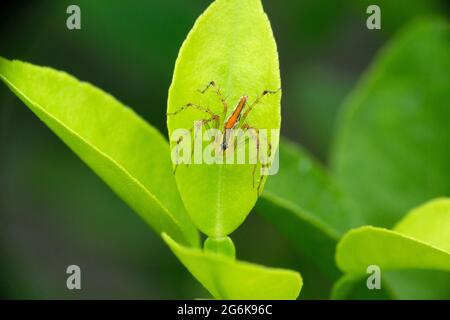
{"x": 127, "y": 153}
{"x": 392, "y": 151}
{"x": 226, "y": 278}
{"x": 231, "y": 44}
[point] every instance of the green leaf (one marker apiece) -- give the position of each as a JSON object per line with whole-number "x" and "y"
{"x": 392, "y": 151}
{"x": 226, "y": 278}
{"x": 392, "y": 154}
{"x": 429, "y": 223}
{"x": 303, "y": 201}
{"x": 127, "y": 153}
{"x": 231, "y": 44}
{"x": 420, "y": 241}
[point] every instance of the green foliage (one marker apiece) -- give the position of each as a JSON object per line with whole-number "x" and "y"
{"x": 420, "y": 241}
{"x": 391, "y": 154}
{"x": 106, "y": 135}
{"x": 392, "y": 146}
{"x": 127, "y": 153}
{"x": 134, "y": 159}
{"x": 301, "y": 196}
{"x": 392, "y": 150}
{"x": 232, "y": 44}
{"x": 226, "y": 278}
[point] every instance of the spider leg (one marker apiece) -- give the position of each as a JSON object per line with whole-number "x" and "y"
{"x": 258, "y": 99}
{"x": 219, "y": 94}
{"x": 195, "y": 106}
{"x": 195, "y": 126}
{"x": 264, "y": 164}
{"x": 246, "y": 127}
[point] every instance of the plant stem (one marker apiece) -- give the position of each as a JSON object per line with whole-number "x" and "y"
{"x": 222, "y": 245}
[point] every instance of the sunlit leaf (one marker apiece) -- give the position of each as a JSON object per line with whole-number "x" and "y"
{"x": 231, "y": 44}
{"x": 420, "y": 241}
{"x": 127, "y": 153}
{"x": 226, "y": 278}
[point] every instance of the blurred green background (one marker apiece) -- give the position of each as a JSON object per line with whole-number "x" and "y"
{"x": 55, "y": 212}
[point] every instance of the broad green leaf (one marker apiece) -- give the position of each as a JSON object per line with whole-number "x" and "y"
{"x": 305, "y": 204}
{"x": 392, "y": 151}
{"x": 226, "y": 278}
{"x": 365, "y": 246}
{"x": 127, "y": 153}
{"x": 231, "y": 44}
{"x": 429, "y": 223}
{"x": 419, "y": 242}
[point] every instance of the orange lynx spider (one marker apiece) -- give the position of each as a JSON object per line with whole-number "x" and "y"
{"x": 236, "y": 120}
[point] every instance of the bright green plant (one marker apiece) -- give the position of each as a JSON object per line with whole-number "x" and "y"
{"x": 231, "y": 44}
{"x": 390, "y": 155}
{"x": 134, "y": 159}
{"x": 421, "y": 240}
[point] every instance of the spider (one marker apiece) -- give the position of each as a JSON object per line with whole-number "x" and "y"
{"x": 236, "y": 120}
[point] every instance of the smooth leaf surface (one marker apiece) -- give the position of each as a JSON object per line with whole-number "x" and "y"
{"x": 303, "y": 201}
{"x": 226, "y": 278}
{"x": 419, "y": 241}
{"x": 392, "y": 149}
{"x": 232, "y": 44}
{"x": 127, "y": 153}
{"x": 389, "y": 249}
{"x": 429, "y": 223}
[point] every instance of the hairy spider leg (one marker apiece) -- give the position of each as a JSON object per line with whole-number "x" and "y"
{"x": 204, "y": 121}
{"x": 256, "y": 136}
{"x": 219, "y": 94}
{"x": 195, "y": 106}
{"x": 258, "y": 99}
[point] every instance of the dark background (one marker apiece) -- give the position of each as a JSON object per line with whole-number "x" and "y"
{"x": 55, "y": 212}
